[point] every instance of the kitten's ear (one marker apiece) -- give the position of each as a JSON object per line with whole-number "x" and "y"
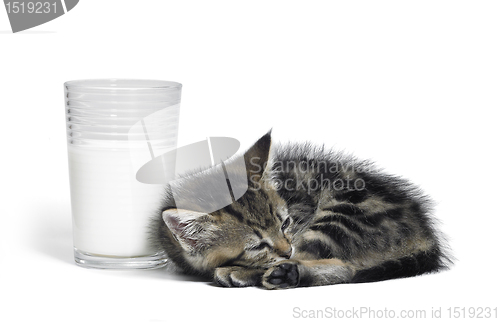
{"x": 257, "y": 156}
{"x": 188, "y": 227}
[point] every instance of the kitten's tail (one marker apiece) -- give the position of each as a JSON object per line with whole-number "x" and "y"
{"x": 416, "y": 264}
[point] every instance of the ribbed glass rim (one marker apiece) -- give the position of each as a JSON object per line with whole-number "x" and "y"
{"x": 125, "y": 84}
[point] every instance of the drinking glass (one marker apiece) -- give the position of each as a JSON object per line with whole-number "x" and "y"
{"x": 115, "y": 127}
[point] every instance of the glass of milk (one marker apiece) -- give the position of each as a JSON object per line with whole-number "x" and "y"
{"x": 114, "y": 127}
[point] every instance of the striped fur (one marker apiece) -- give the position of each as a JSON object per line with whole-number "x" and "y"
{"x": 309, "y": 217}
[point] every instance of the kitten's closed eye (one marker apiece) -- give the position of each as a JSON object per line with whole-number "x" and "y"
{"x": 261, "y": 246}
{"x": 286, "y": 223}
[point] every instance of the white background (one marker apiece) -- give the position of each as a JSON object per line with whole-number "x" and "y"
{"x": 413, "y": 85}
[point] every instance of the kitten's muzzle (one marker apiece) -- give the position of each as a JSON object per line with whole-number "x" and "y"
{"x": 286, "y": 254}
{"x": 283, "y": 248}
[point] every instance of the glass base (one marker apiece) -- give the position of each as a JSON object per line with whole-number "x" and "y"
{"x": 140, "y": 262}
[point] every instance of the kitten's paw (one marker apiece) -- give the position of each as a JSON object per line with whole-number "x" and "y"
{"x": 282, "y": 275}
{"x": 237, "y": 276}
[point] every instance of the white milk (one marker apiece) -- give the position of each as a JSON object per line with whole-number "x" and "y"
{"x": 111, "y": 209}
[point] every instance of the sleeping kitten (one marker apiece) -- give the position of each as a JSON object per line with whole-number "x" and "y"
{"x": 308, "y": 218}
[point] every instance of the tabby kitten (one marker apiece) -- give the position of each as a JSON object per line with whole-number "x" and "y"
{"x": 309, "y": 217}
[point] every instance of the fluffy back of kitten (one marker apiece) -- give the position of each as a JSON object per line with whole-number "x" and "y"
{"x": 309, "y": 217}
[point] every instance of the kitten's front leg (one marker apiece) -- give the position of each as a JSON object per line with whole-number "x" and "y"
{"x": 295, "y": 273}
{"x": 238, "y": 276}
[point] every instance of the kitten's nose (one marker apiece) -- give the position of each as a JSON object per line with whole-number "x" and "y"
{"x": 283, "y": 248}
{"x": 286, "y": 254}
